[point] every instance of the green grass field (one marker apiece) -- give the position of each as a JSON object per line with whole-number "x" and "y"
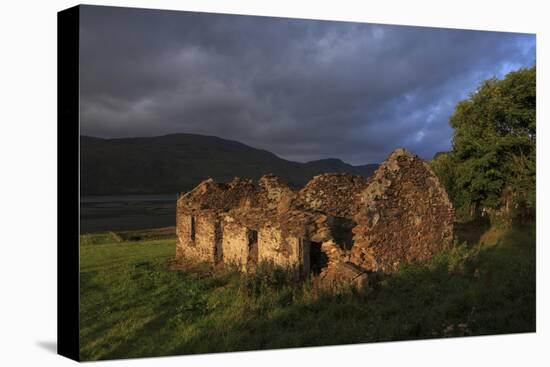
{"x": 137, "y": 302}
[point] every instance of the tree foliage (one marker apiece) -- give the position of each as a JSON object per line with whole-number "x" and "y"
{"x": 492, "y": 164}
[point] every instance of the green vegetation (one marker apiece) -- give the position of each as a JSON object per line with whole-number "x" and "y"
{"x": 137, "y": 302}
{"x": 121, "y": 236}
{"x": 492, "y": 164}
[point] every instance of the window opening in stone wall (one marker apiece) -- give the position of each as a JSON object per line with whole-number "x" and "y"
{"x": 252, "y": 247}
{"x": 318, "y": 259}
{"x": 342, "y": 232}
{"x": 218, "y": 235}
{"x": 192, "y": 228}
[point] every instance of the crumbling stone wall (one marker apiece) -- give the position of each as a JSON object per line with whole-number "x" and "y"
{"x": 339, "y": 226}
{"x": 199, "y": 214}
{"x": 335, "y": 194}
{"x": 184, "y": 234}
{"x": 218, "y": 196}
{"x": 274, "y": 194}
{"x": 340, "y": 271}
{"x": 207, "y": 237}
{"x": 198, "y": 236}
{"x": 405, "y": 215}
{"x": 236, "y": 243}
{"x": 280, "y": 249}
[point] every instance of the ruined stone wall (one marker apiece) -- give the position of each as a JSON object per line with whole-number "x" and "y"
{"x": 335, "y": 269}
{"x": 198, "y": 236}
{"x": 218, "y": 196}
{"x": 401, "y": 214}
{"x": 274, "y": 194}
{"x": 405, "y": 215}
{"x": 199, "y": 214}
{"x": 274, "y": 247}
{"x": 335, "y": 194}
{"x": 184, "y": 236}
{"x": 208, "y": 237}
{"x": 235, "y": 243}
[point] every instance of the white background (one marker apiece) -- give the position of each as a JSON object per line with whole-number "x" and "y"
{"x": 28, "y": 183}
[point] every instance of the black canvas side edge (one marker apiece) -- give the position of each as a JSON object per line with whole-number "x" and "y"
{"x": 68, "y": 190}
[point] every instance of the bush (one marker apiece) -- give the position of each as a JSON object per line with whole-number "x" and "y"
{"x": 100, "y": 238}
{"x": 267, "y": 278}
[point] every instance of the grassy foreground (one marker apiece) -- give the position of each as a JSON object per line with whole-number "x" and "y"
{"x": 137, "y": 302}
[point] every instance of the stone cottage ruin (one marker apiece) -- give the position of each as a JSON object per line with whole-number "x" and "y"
{"x": 338, "y": 227}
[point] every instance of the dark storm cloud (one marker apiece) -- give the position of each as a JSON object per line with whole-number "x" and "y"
{"x": 302, "y": 89}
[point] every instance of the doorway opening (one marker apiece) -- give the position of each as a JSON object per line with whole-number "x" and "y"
{"x": 318, "y": 259}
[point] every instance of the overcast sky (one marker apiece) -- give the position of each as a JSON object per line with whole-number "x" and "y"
{"x": 301, "y": 89}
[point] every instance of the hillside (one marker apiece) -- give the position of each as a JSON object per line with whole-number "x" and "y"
{"x": 487, "y": 287}
{"x": 177, "y": 162}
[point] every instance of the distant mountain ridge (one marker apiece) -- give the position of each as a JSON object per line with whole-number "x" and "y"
{"x": 178, "y": 162}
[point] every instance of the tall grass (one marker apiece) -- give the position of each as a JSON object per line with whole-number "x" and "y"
{"x": 137, "y": 302}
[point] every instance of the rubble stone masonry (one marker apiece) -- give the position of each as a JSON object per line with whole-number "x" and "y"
{"x": 338, "y": 228}
{"x": 405, "y": 215}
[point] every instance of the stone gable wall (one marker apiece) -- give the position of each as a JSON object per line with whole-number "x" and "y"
{"x": 405, "y": 215}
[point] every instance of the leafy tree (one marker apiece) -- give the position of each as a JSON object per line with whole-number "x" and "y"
{"x": 492, "y": 164}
